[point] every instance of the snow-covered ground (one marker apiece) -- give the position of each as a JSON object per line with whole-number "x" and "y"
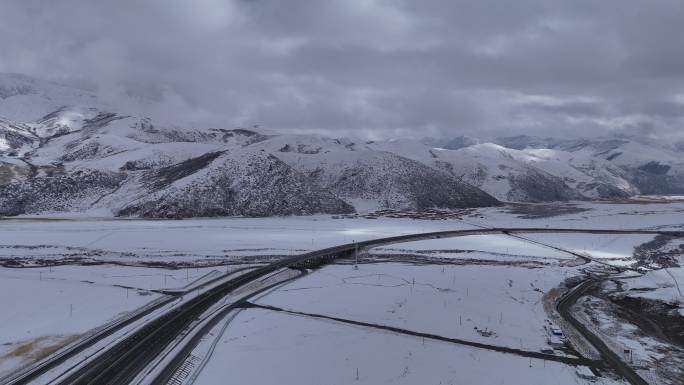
{"x": 39, "y": 315}
{"x": 197, "y": 239}
{"x": 472, "y": 247}
{"x": 596, "y": 215}
{"x": 656, "y": 361}
{"x": 497, "y": 296}
{"x": 142, "y": 278}
{"x": 452, "y": 301}
{"x": 208, "y": 239}
{"x": 664, "y": 285}
{"x": 264, "y": 347}
{"x": 614, "y": 249}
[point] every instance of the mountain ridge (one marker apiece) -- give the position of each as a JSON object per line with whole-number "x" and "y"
{"x": 129, "y": 165}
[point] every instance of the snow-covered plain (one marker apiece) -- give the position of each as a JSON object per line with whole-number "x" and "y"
{"x": 440, "y": 299}
{"x": 595, "y": 215}
{"x": 142, "y": 278}
{"x": 39, "y": 314}
{"x": 206, "y": 239}
{"x": 263, "y": 347}
{"x": 197, "y": 239}
{"x": 663, "y": 285}
{"x": 451, "y": 301}
{"x": 45, "y": 294}
{"x": 493, "y": 245}
{"x": 613, "y": 249}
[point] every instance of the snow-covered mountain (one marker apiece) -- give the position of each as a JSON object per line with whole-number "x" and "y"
{"x": 369, "y": 178}
{"x": 531, "y": 175}
{"x": 649, "y": 167}
{"x": 15, "y": 137}
{"x": 26, "y": 99}
{"x": 62, "y": 150}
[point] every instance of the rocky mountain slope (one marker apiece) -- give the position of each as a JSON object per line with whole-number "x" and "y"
{"x": 62, "y": 150}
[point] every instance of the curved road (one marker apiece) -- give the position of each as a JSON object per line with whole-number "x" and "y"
{"x": 564, "y": 306}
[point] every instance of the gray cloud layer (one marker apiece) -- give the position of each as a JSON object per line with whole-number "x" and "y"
{"x": 372, "y": 68}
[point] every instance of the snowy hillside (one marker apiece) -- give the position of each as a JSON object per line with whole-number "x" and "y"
{"x": 79, "y": 157}
{"x": 26, "y": 99}
{"x": 514, "y": 175}
{"x": 62, "y": 150}
{"x": 243, "y": 182}
{"x": 370, "y": 178}
{"x": 649, "y": 167}
{"x": 15, "y": 137}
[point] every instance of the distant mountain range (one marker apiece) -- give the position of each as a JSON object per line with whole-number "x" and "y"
{"x": 61, "y": 150}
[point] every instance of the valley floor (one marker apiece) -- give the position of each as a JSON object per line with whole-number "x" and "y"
{"x": 484, "y": 302}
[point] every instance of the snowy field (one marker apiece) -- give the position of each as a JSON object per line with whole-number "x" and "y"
{"x": 497, "y": 302}
{"x": 494, "y": 246}
{"x": 258, "y": 348}
{"x": 613, "y": 249}
{"x": 664, "y": 285}
{"x": 451, "y": 301}
{"x": 596, "y": 216}
{"x": 113, "y": 276}
{"x": 211, "y": 241}
{"x": 45, "y": 308}
{"x": 39, "y": 316}
{"x": 196, "y": 239}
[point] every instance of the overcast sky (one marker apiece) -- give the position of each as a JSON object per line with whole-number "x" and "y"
{"x": 370, "y": 68}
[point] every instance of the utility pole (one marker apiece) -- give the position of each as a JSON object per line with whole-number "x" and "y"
{"x": 71, "y": 310}
{"x": 356, "y": 255}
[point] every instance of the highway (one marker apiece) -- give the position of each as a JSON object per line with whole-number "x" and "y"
{"x": 28, "y": 374}
{"x": 122, "y": 362}
{"x": 564, "y": 306}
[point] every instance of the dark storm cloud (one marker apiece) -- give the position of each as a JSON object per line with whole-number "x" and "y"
{"x": 370, "y": 68}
